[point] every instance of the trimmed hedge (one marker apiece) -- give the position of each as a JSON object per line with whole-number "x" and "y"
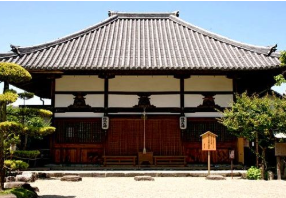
{"x": 19, "y": 192}
{"x": 16, "y": 164}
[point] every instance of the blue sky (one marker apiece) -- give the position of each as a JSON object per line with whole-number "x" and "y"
{"x": 33, "y": 23}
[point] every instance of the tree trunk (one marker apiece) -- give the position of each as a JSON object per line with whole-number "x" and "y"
{"x": 263, "y": 165}
{"x": 25, "y": 142}
{"x": 2, "y": 119}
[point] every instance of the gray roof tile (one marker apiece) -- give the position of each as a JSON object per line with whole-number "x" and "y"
{"x": 152, "y": 41}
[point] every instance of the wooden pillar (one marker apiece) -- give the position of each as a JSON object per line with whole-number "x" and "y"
{"x": 106, "y": 88}
{"x": 182, "y": 95}
{"x": 240, "y": 150}
{"x": 209, "y": 162}
{"x": 52, "y": 137}
{"x": 278, "y": 159}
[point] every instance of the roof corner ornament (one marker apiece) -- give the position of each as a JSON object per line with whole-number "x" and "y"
{"x": 15, "y": 49}
{"x": 111, "y": 13}
{"x": 272, "y": 49}
{"x": 177, "y": 13}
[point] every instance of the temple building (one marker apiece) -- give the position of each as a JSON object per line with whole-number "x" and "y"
{"x": 143, "y": 82}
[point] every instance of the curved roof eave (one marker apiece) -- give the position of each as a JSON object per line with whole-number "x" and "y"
{"x": 258, "y": 49}
{"x": 29, "y": 49}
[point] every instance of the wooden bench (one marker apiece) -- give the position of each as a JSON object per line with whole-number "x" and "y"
{"x": 170, "y": 160}
{"x": 119, "y": 160}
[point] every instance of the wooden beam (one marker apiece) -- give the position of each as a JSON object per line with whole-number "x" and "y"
{"x": 149, "y": 92}
{"x": 132, "y": 110}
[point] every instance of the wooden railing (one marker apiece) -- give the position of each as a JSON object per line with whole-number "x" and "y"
{"x": 170, "y": 160}
{"x": 119, "y": 160}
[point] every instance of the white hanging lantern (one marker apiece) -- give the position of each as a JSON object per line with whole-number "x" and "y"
{"x": 105, "y": 122}
{"x": 183, "y": 122}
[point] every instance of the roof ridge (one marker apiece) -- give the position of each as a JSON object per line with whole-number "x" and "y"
{"x": 254, "y": 48}
{"x": 143, "y": 14}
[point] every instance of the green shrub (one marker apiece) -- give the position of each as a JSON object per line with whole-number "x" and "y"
{"x": 253, "y": 173}
{"x": 26, "y": 154}
{"x": 19, "y": 192}
{"x": 16, "y": 164}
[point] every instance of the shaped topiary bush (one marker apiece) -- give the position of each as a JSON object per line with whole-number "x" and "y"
{"x": 16, "y": 164}
{"x": 253, "y": 173}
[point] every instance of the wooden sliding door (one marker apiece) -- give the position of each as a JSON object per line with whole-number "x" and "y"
{"x": 126, "y": 136}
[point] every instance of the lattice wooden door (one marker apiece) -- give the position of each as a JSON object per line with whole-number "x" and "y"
{"x": 125, "y": 136}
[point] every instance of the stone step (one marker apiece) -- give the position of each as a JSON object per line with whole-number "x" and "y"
{"x": 140, "y": 173}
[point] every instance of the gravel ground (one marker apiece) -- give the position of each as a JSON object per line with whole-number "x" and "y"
{"x": 165, "y": 187}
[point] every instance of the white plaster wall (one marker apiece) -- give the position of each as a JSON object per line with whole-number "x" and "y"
{"x": 208, "y": 83}
{"x": 194, "y": 100}
{"x": 144, "y": 83}
{"x": 203, "y": 115}
{"x": 64, "y": 100}
{"x": 156, "y": 100}
{"x": 165, "y": 100}
{"x": 78, "y": 115}
{"x": 79, "y": 83}
{"x": 122, "y": 100}
{"x": 223, "y": 100}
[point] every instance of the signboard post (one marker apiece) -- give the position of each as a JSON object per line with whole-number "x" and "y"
{"x": 231, "y": 157}
{"x": 209, "y": 144}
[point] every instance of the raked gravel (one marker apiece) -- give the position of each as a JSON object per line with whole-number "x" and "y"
{"x": 165, "y": 187}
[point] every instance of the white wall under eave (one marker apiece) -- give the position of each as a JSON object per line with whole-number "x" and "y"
{"x": 144, "y": 83}
{"x": 79, "y": 83}
{"x": 122, "y": 100}
{"x": 64, "y": 100}
{"x": 194, "y": 100}
{"x": 132, "y": 100}
{"x": 165, "y": 100}
{"x": 78, "y": 115}
{"x": 208, "y": 83}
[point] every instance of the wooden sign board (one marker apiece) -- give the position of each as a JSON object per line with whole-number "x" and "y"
{"x": 209, "y": 141}
{"x": 280, "y": 149}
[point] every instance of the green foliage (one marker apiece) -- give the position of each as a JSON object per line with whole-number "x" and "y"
{"x": 20, "y": 113}
{"x": 35, "y": 123}
{"x": 283, "y": 58}
{"x": 279, "y": 79}
{"x": 252, "y": 114}
{"x": 10, "y": 127}
{"x": 12, "y": 139}
{"x": 253, "y": 173}
{"x": 45, "y": 113}
{"x": 26, "y": 154}
{"x": 19, "y": 192}
{"x": 13, "y": 73}
{"x": 26, "y": 95}
{"x": 16, "y": 164}
{"x": 9, "y": 96}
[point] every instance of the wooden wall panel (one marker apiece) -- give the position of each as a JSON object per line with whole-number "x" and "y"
{"x": 78, "y": 153}
{"x": 126, "y": 136}
{"x": 194, "y": 152}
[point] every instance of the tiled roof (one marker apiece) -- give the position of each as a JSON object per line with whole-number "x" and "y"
{"x": 144, "y": 41}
